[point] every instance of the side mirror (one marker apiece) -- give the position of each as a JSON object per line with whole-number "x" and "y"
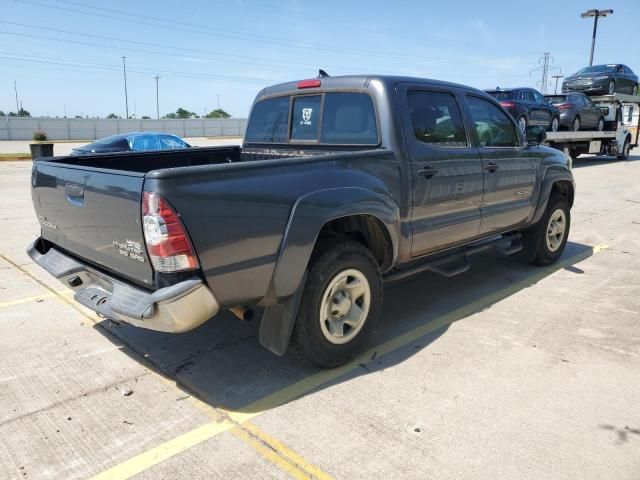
{"x": 535, "y": 135}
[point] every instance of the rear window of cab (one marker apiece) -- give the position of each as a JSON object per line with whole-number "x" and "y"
{"x": 333, "y": 118}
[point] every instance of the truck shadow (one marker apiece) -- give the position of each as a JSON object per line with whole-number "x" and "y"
{"x": 222, "y": 363}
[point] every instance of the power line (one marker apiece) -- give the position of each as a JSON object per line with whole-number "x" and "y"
{"x": 546, "y": 66}
{"x": 232, "y": 34}
{"x": 158, "y": 45}
{"x": 115, "y": 68}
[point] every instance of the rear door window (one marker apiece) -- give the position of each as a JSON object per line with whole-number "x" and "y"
{"x": 348, "y": 119}
{"x": 436, "y": 119}
{"x": 269, "y": 121}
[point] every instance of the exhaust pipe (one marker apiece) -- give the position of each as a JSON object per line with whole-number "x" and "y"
{"x": 243, "y": 313}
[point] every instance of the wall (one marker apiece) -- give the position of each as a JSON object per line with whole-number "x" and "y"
{"x": 22, "y": 128}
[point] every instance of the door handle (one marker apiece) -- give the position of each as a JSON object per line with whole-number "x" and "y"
{"x": 491, "y": 167}
{"x": 427, "y": 171}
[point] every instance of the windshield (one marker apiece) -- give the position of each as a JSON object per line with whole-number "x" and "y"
{"x": 501, "y": 94}
{"x": 597, "y": 69}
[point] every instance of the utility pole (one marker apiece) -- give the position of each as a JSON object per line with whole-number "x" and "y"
{"x": 15, "y": 87}
{"x": 218, "y": 101}
{"x": 595, "y": 14}
{"x": 157, "y": 103}
{"x": 545, "y": 67}
{"x": 126, "y": 100}
{"x": 555, "y": 90}
{"x": 135, "y": 109}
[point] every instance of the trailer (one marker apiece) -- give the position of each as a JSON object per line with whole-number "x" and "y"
{"x": 622, "y": 127}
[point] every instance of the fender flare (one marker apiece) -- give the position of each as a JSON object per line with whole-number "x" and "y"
{"x": 551, "y": 177}
{"x": 308, "y": 215}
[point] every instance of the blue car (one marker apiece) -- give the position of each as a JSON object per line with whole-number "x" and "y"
{"x": 132, "y": 142}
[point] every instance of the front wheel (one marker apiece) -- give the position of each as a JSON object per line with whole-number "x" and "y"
{"x": 634, "y": 90}
{"x": 600, "y": 126}
{"x": 611, "y": 89}
{"x": 626, "y": 149}
{"x": 555, "y": 124}
{"x": 544, "y": 243}
{"x": 340, "y": 306}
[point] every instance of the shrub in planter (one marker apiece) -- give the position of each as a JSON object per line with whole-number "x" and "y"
{"x": 40, "y": 149}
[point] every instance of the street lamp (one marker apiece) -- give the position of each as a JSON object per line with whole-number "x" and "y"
{"x": 595, "y": 14}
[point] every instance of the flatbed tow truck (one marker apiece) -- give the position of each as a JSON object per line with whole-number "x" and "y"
{"x": 622, "y": 127}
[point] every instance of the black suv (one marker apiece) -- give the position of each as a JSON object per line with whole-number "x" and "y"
{"x": 528, "y": 106}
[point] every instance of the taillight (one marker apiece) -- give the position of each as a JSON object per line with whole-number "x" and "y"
{"x": 167, "y": 242}
{"x": 508, "y": 104}
{"x": 563, "y": 106}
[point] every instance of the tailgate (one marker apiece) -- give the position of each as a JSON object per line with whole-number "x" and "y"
{"x": 93, "y": 214}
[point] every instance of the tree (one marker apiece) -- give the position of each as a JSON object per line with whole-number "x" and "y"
{"x": 112, "y": 115}
{"x": 171, "y": 115}
{"x": 184, "y": 113}
{"x": 2, "y": 114}
{"x": 146, "y": 117}
{"x": 218, "y": 113}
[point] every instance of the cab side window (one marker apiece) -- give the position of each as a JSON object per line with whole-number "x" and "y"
{"x": 493, "y": 127}
{"x": 436, "y": 119}
{"x": 538, "y": 96}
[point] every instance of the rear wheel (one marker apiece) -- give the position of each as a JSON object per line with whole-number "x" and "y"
{"x": 611, "y": 88}
{"x": 544, "y": 243}
{"x": 522, "y": 123}
{"x": 555, "y": 124}
{"x": 340, "y": 305}
{"x": 575, "y": 125}
{"x": 600, "y": 126}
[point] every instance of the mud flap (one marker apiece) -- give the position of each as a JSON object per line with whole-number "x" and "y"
{"x": 278, "y": 320}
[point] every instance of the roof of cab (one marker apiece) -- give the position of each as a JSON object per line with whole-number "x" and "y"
{"x": 356, "y": 81}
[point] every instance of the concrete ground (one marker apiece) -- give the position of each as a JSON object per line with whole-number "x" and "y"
{"x": 507, "y": 371}
{"x": 64, "y": 147}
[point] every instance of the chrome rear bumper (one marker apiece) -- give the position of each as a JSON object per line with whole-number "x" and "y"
{"x": 178, "y": 308}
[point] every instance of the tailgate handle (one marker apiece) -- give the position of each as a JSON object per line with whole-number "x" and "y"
{"x": 74, "y": 194}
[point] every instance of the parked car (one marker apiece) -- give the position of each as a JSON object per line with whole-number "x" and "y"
{"x": 602, "y": 80}
{"x": 577, "y": 111}
{"x": 132, "y": 142}
{"x": 528, "y": 106}
{"x": 341, "y": 183}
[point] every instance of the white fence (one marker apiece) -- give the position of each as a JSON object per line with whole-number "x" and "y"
{"x": 22, "y": 128}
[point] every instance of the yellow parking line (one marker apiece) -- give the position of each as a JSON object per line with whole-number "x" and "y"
{"x": 162, "y": 452}
{"x": 284, "y": 451}
{"x": 22, "y": 300}
{"x": 270, "y": 454}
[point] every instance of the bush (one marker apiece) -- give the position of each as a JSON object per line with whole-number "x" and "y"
{"x": 40, "y": 135}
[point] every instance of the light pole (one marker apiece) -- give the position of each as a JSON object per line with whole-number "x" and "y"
{"x": 555, "y": 90}
{"x": 157, "y": 103}
{"x": 15, "y": 87}
{"x": 126, "y": 100}
{"x": 218, "y": 101}
{"x": 595, "y": 14}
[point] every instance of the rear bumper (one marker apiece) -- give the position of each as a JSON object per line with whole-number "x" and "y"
{"x": 174, "y": 309}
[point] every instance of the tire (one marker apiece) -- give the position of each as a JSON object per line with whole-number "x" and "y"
{"x": 538, "y": 246}
{"x": 575, "y": 125}
{"x": 335, "y": 272}
{"x": 555, "y": 124}
{"x": 611, "y": 88}
{"x": 522, "y": 122}
{"x": 626, "y": 149}
{"x": 600, "y": 126}
{"x": 634, "y": 89}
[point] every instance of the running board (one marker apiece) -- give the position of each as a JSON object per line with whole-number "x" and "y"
{"x": 457, "y": 261}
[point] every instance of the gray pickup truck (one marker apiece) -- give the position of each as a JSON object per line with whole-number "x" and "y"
{"x": 342, "y": 183}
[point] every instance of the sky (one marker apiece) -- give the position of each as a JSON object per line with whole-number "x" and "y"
{"x": 65, "y": 55}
